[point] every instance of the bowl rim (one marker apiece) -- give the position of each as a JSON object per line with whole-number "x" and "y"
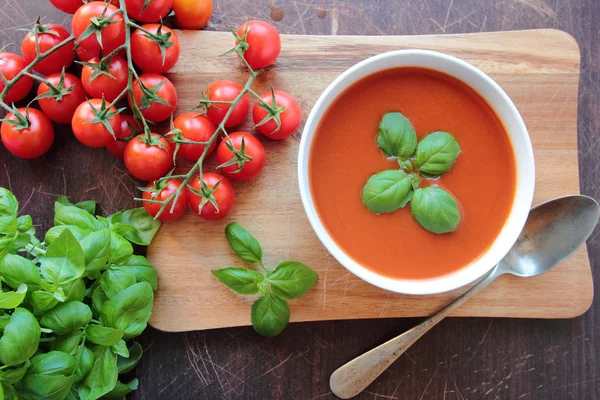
{"x": 524, "y": 160}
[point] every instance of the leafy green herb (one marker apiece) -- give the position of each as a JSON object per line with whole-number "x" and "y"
{"x": 290, "y": 280}
{"x": 129, "y": 310}
{"x": 20, "y": 338}
{"x": 436, "y": 153}
{"x": 397, "y": 137}
{"x": 67, "y": 317}
{"x": 436, "y": 210}
{"x": 126, "y": 364}
{"x": 387, "y": 191}
{"x": 134, "y": 225}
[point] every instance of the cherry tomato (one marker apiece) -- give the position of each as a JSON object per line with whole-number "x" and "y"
{"x": 117, "y": 147}
{"x": 197, "y": 128}
{"x": 289, "y": 118}
{"x": 85, "y": 54}
{"x": 61, "y": 111}
{"x": 146, "y": 53}
{"x": 254, "y": 149}
{"x": 10, "y": 65}
{"x": 148, "y": 162}
{"x": 155, "y": 10}
{"x": 192, "y": 14}
{"x": 113, "y": 35}
{"x": 223, "y": 195}
{"x": 156, "y": 112}
{"x": 160, "y": 191}
{"x": 264, "y": 43}
{"x": 103, "y": 84}
{"x": 30, "y": 142}
{"x": 93, "y": 134}
{"x": 55, "y": 62}
{"x": 225, "y": 90}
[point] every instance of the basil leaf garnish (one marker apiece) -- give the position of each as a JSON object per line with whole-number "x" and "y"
{"x": 397, "y": 137}
{"x": 241, "y": 280}
{"x": 435, "y": 210}
{"x": 436, "y": 153}
{"x": 291, "y": 280}
{"x": 387, "y": 191}
{"x": 270, "y": 315}
{"x": 243, "y": 243}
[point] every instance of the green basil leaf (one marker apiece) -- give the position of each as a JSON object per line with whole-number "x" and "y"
{"x": 67, "y": 317}
{"x": 64, "y": 260}
{"x": 126, "y": 364}
{"x": 13, "y": 299}
{"x": 120, "y": 349}
{"x": 406, "y": 165}
{"x": 291, "y": 280}
{"x": 435, "y": 210}
{"x": 43, "y": 301}
{"x": 97, "y": 250}
{"x": 103, "y": 335}
{"x": 16, "y": 270}
{"x": 103, "y": 221}
{"x": 53, "y": 363}
{"x": 45, "y": 387}
{"x": 54, "y": 232}
{"x": 140, "y": 267}
{"x": 415, "y": 180}
{"x": 9, "y": 206}
{"x": 85, "y": 360}
{"x": 98, "y": 299}
{"x": 103, "y": 376}
{"x": 396, "y": 137}
{"x": 68, "y": 214}
{"x": 243, "y": 243}
{"x": 113, "y": 282}
{"x": 129, "y": 310}
{"x": 119, "y": 247}
{"x": 10, "y": 376}
{"x": 122, "y": 389}
{"x": 241, "y": 280}
{"x": 436, "y": 153}
{"x": 88, "y": 205}
{"x": 270, "y": 315}
{"x": 59, "y": 295}
{"x": 24, "y": 223}
{"x": 144, "y": 226}
{"x": 20, "y": 339}
{"x": 387, "y": 191}
{"x": 67, "y": 343}
{"x": 74, "y": 291}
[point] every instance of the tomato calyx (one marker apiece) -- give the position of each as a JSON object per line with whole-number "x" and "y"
{"x": 38, "y": 29}
{"x": 207, "y": 194}
{"x": 242, "y": 44}
{"x": 100, "y": 68}
{"x": 273, "y": 112}
{"x": 239, "y": 156}
{"x": 21, "y": 122}
{"x": 161, "y": 39}
{"x": 150, "y": 96}
{"x": 152, "y": 140}
{"x": 58, "y": 91}
{"x": 97, "y": 24}
{"x": 103, "y": 115}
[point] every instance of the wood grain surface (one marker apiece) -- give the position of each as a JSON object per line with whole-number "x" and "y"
{"x": 522, "y": 62}
{"x": 462, "y": 358}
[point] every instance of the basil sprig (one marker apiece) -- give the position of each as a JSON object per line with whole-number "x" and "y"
{"x": 387, "y": 191}
{"x": 289, "y": 280}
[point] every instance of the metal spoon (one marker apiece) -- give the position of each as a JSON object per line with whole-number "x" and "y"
{"x": 553, "y": 231}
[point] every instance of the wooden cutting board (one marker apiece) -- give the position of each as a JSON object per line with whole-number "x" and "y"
{"x": 539, "y": 69}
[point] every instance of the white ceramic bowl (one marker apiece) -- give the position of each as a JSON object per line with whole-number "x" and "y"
{"x": 504, "y": 109}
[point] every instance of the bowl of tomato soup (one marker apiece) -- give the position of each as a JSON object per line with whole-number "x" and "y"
{"x": 403, "y": 211}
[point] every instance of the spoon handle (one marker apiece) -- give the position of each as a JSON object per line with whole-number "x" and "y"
{"x": 353, "y": 377}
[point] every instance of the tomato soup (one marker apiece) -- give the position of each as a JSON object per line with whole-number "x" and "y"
{"x": 344, "y": 154}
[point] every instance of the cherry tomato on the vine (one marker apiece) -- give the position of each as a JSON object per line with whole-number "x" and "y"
{"x": 197, "y": 128}
{"x": 70, "y": 6}
{"x": 192, "y": 14}
{"x": 50, "y": 36}
{"x": 117, "y": 147}
{"x": 160, "y": 191}
{"x": 85, "y": 54}
{"x": 225, "y": 90}
{"x": 166, "y": 91}
{"x": 113, "y": 33}
{"x": 103, "y": 84}
{"x": 263, "y": 43}
{"x": 31, "y": 142}
{"x": 148, "y": 162}
{"x": 153, "y": 12}
{"x": 223, "y": 196}
{"x": 241, "y": 171}
{"x": 147, "y": 53}
{"x": 289, "y": 117}
{"x": 62, "y": 110}
{"x": 94, "y": 134}
{"x": 10, "y": 66}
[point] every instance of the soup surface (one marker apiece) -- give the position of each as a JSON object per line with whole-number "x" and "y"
{"x": 344, "y": 154}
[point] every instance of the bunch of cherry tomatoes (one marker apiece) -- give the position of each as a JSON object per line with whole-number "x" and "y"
{"x": 119, "y": 63}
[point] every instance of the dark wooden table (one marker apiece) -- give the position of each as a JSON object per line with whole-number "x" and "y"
{"x": 461, "y": 358}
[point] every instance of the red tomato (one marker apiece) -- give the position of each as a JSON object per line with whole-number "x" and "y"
{"x": 68, "y": 6}
{"x": 117, "y": 147}
{"x": 197, "y": 128}
{"x": 113, "y": 35}
{"x": 289, "y": 117}
{"x": 103, "y": 84}
{"x": 227, "y": 91}
{"x": 148, "y": 162}
{"x": 254, "y": 149}
{"x": 155, "y": 10}
{"x": 160, "y": 191}
{"x": 10, "y": 66}
{"x": 192, "y": 14}
{"x": 85, "y": 54}
{"x": 93, "y": 134}
{"x": 61, "y": 111}
{"x": 30, "y": 142}
{"x": 223, "y": 195}
{"x": 263, "y": 41}
{"x": 55, "y": 62}
{"x": 156, "y": 112}
{"x": 146, "y": 52}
